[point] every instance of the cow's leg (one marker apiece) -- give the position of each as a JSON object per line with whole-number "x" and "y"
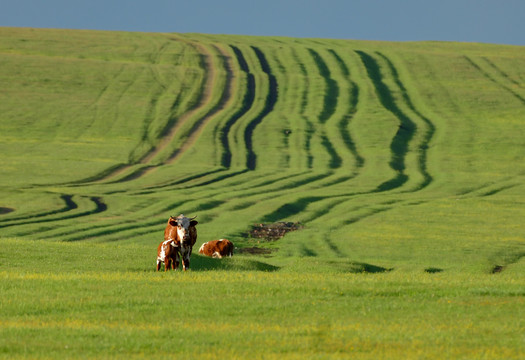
{"x": 176, "y": 260}
{"x": 185, "y": 254}
{"x": 158, "y": 264}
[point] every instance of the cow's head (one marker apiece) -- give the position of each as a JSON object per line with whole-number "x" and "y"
{"x": 183, "y": 224}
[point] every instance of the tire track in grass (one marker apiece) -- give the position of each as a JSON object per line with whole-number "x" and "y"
{"x": 271, "y": 99}
{"x": 428, "y": 134}
{"x": 330, "y": 103}
{"x": 69, "y": 205}
{"x": 301, "y": 204}
{"x": 309, "y": 128}
{"x": 247, "y": 103}
{"x": 100, "y": 206}
{"x": 503, "y": 74}
{"x": 494, "y": 80}
{"x": 406, "y": 128}
{"x": 172, "y": 127}
{"x": 155, "y": 211}
{"x": 152, "y": 224}
{"x": 225, "y": 98}
{"x": 387, "y": 100}
{"x": 107, "y": 92}
{"x": 398, "y": 148}
{"x": 331, "y": 93}
{"x": 249, "y": 99}
{"x": 329, "y": 108}
{"x": 345, "y": 120}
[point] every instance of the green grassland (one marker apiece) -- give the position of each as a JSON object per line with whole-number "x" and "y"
{"x": 403, "y": 162}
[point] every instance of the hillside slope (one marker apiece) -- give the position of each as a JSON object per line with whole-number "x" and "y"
{"x": 395, "y": 154}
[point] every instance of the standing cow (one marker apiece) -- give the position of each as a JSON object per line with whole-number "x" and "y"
{"x": 217, "y": 248}
{"x": 168, "y": 253}
{"x": 182, "y": 231}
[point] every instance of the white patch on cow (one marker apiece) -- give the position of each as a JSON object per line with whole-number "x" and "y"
{"x": 201, "y": 249}
{"x": 162, "y": 255}
{"x": 181, "y": 232}
{"x": 216, "y": 255}
{"x": 182, "y": 228}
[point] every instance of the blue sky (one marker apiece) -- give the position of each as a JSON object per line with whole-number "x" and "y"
{"x": 488, "y": 21}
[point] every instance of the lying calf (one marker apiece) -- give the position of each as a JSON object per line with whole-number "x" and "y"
{"x": 217, "y": 248}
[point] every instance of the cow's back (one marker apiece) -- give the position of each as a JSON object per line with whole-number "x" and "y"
{"x": 217, "y": 248}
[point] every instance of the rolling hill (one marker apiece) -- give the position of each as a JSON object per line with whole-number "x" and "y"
{"x": 401, "y": 155}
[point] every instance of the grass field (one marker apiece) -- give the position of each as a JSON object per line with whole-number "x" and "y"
{"x": 403, "y": 162}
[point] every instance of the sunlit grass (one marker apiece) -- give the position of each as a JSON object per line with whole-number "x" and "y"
{"x": 105, "y": 308}
{"x": 402, "y": 161}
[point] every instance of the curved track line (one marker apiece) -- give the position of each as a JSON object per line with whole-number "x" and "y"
{"x": 69, "y": 205}
{"x": 311, "y": 179}
{"x": 247, "y": 103}
{"x": 302, "y": 203}
{"x": 271, "y": 99}
{"x": 100, "y": 206}
{"x": 308, "y": 127}
{"x": 173, "y": 125}
{"x": 226, "y": 97}
{"x": 345, "y": 120}
{"x": 495, "y": 81}
{"x": 405, "y": 132}
{"x": 330, "y": 103}
{"x": 423, "y": 147}
{"x": 331, "y": 93}
{"x": 503, "y": 74}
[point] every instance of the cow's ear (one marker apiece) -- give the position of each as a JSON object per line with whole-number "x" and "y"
{"x": 193, "y": 222}
{"x": 173, "y": 222}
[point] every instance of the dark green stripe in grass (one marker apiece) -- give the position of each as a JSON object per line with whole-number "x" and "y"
{"x": 271, "y": 99}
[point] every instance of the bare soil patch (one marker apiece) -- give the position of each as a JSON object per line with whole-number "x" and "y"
{"x": 267, "y": 233}
{"x": 273, "y": 231}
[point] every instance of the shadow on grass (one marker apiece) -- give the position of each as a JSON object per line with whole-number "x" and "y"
{"x": 335, "y": 266}
{"x": 359, "y": 267}
{"x": 204, "y": 263}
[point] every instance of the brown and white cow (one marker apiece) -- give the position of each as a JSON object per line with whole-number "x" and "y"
{"x": 168, "y": 253}
{"x": 183, "y": 232}
{"x": 217, "y": 248}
